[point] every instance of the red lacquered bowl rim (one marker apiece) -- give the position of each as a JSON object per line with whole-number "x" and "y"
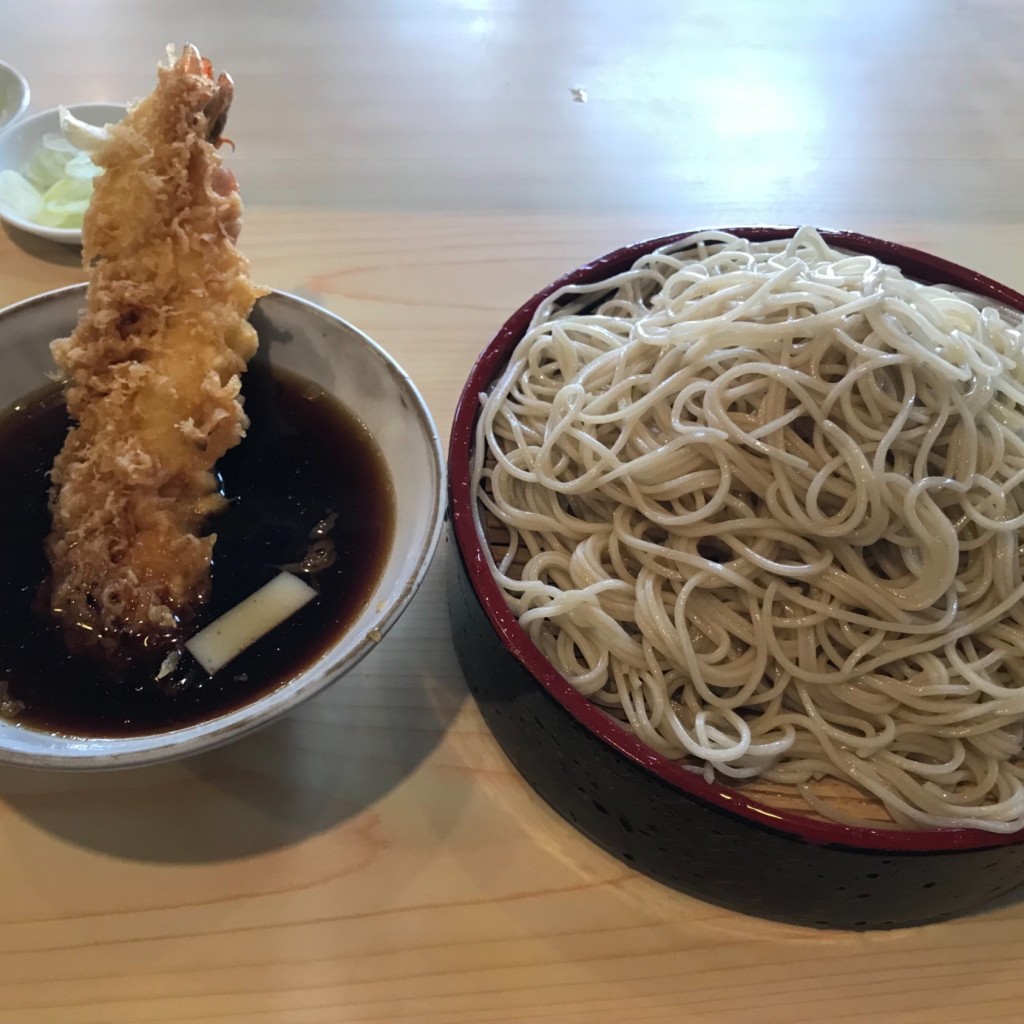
{"x": 914, "y": 263}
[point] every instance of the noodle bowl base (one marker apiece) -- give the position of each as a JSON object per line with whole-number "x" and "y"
{"x": 722, "y": 843}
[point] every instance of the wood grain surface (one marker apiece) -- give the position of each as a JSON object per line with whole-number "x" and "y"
{"x": 421, "y": 168}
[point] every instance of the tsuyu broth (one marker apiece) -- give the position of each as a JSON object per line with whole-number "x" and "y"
{"x": 308, "y": 471}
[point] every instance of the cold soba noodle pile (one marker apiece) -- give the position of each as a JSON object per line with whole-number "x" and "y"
{"x": 765, "y": 505}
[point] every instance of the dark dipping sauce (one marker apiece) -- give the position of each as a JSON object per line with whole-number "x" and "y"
{"x": 304, "y": 460}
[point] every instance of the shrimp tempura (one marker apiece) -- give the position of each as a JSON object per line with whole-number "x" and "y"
{"x": 152, "y": 372}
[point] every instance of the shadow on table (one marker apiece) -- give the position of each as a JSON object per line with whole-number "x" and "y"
{"x": 1009, "y": 900}
{"x": 58, "y": 253}
{"x": 326, "y": 762}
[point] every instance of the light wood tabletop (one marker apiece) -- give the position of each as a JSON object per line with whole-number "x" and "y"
{"x": 421, "y": 167}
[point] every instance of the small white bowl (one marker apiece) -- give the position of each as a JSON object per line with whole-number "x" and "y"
{"x": 310, "y": 341}
{"x": 20, "y": 141}
{"x": 14, "y": 95}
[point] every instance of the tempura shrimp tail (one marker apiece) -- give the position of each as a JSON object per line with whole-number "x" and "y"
{"x": 152, "y": 372}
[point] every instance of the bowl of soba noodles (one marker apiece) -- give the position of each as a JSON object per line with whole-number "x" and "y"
{"x": 738, "y": 580}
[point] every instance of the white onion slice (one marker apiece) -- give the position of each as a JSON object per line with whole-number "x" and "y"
{"x": 56, "y": 186}
{"x": 84, "y": 136}
{"x": 19, "y": 195}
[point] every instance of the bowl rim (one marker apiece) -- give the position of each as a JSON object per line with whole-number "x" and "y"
{"x": 67, "y": 236}
{"x": 210, "y": 733}
{"x": 26, "y": 95}
{"x": 915, "y": 263}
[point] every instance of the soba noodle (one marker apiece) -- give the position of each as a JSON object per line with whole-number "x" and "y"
{"x": 765, "y": 505}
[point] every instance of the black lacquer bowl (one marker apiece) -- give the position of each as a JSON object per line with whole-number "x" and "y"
{"x": 706, "y": 839}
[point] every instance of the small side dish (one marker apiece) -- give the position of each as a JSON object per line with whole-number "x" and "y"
{"x": 14, "y": 94}
{"x": 39, "y": 193}
{"x": 55, "y": 186}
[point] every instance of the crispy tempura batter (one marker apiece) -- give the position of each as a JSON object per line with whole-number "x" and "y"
{"x": 152, "y": 372}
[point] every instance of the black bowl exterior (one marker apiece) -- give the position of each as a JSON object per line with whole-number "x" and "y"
{"x": 691, "y": 844}
{"x": 705, "y": 838}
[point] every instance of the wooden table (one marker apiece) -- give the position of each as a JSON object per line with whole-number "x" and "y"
{"x": 420, "y": 168}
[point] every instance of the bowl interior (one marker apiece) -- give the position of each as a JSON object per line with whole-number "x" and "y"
{"x": 14, "y": 94}
{"x": 471, "y": 548}
{"x": 20, "y": 141}
{"x": 310, "y": 341}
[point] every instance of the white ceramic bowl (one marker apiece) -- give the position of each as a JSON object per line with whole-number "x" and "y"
{"x": 308, "y": 340}
{"x": 14, "y": 94}
{"x": 20, "y": 141}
